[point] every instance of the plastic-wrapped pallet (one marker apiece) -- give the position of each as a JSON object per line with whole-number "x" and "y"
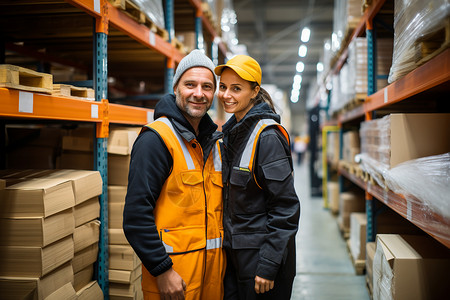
{"x": 153, "y": 9}
{"x": 414, "y": 20}
{"x": 347, "y": 14}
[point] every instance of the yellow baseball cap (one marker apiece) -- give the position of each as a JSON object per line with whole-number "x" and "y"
{"x": 246, "y": 67}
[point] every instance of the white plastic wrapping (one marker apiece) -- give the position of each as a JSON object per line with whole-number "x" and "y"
{"x": 383, "y": 275}
{"x": 414, "y": 19}
{"x": 153, "y": 9}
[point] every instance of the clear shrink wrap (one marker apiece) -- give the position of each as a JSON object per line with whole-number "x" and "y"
{"x": 153, "y": 9}
{"x": 414, "y": 19}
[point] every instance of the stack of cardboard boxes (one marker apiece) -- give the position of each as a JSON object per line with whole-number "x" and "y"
{"x": 41, "y": 243}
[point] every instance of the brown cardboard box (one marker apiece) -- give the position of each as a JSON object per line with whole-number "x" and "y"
{"x": 120, "y": 291}
{"x": 86, "y": 235}
{"x": 358, "y": 223}
{"x": 84, "y": 257}
{"x": 410, "y": 267}
{"x": 333, "y": 196}
{"x": 124, "y": 276}
{"x": 188, "y": 39}
{"x": 349, "y": 202}
{"x": 115, "y": 215}
{"x": 65, "y": 292}
{"x": 117, "y": 237}
{"x": 116, "y": 193}
{"x": 121, "y": 141}
{"x": 91, "y": 291}
{"x": 86, "y": 211}
{"x": 370, "y": 254}
{"x": 38, "y": 197}
{"x": 19, "y": 261}
{"x": 123, "y": 257}
{"x": 83, "y": 277}
{"x": 36, "y": 231}
{"x": 85, "y": 184}
{"x": 118, "y": 168}
{"x": 35, "y": 288}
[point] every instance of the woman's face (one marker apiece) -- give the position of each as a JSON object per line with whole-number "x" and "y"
{"x": 236, "y": 93}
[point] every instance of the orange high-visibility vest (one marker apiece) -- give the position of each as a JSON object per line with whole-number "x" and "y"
{"x": 188, "y": 216}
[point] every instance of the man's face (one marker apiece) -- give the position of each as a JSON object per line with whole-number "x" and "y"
{"x": 195, "y": 92}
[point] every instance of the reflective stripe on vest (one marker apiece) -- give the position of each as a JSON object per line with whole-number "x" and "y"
{"x": 214, "y": 243}
{"x": 217, "y": 158}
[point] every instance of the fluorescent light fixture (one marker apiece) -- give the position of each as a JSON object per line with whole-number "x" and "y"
{"x": 306, "y": 33}
{"x": 294, "y": 98}
{"x": 298, "y": 78}
{"x": 319, "y": 67}
{"x": 302, "y": 51}
{"x": 300, "y": 67}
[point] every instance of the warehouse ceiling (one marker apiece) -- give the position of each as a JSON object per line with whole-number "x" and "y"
{"x": 271, "y": 31}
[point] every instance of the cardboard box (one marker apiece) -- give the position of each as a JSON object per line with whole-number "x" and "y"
{"x": 86, "y": 235}
{"x": 358, "y": 224}
{"x": 86, "y": 211}
{"x": 115, "y": 215}
{"x": 35, "y": 288}
{"x": 36, "y": 231}
{"x": 121, "y": 141}
{"x": 91, "y": 291}
{"x": 123, "y": 257}
{"x": 65, "y": 292}
{"x": 117, "y": 237}
{"x": 38, "y": 197}
{"x": 370, "y": 254}
{"x": 124, "y": 276}
{"x": 410, "y": 267}
{"x": 84, "y": 258}
{"x": 19, "y": 261}
{"x": 117, "y": 193}
{"x": 120, "y": 291}
{"x": 333, "y": 196}
{"x": 349, "y": 202}
{"x": 118, "y": 168}
{"x": 85, "y": 184}
{"x": 83, "y": 277}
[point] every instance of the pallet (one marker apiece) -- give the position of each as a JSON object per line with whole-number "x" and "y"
{"x": 133, "y": 11}
{"x": 73, "y": 92}
{"x": 179, "y": 45}
{"x": 358, "y": 264}
{"x": 434, "y": 43}
{"x": 15, "y": 77}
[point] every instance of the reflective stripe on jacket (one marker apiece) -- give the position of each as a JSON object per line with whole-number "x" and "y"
{"x": 188, "y": 216}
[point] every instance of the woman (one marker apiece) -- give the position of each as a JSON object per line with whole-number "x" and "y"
{"x": 261, "y": 208}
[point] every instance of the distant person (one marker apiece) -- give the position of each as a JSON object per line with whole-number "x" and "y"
{"x": 261, "y": 208}
{"x": 173, "y": 208}
{"x": 299, "y": 148}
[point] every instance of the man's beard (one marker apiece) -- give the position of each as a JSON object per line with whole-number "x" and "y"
{"x": 187, "y": 110}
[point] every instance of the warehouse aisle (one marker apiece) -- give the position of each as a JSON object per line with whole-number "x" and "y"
{"x": 324, "y": 269}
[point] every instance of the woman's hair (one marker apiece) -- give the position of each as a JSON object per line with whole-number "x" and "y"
{"x": 262, "y": 96}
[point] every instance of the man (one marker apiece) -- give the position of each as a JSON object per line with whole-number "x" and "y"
{"x": 173, "y": 209}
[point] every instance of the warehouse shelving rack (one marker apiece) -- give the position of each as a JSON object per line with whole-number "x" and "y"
{"x": 433, "y": 76}
{"x": 21, "y": 105}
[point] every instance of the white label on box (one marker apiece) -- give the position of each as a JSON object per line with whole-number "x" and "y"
{"x": 149, "y": 116}
{"x": 26, "y": 102}
{"x": 385, "y": 95}
{"x": 151, "y": 38}
{"x": 97, "y": 6}
{"x": 94, "y": 111}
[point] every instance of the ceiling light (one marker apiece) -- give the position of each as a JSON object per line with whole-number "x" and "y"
{"x": 319, "y": 67}
{"x": 302, "y": 51}
{"x": 306, "y": 33}
{"x": 298, "y": 78}
{"x": 300, "y": 67}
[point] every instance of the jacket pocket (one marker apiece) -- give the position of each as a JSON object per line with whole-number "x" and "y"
{"x": 183, "y": 240}
{"x": 277, "y": 170}
{"x": 252, "y": 240}
{"x": 240, "y": 178}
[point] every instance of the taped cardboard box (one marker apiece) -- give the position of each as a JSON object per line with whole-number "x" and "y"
{"x": 117, "y": 237}
{"x": 124, "y": 276}
{"x": 83, "y": 277}
{"x": 85, "y": 257}
{"x": 39, "y": 197}
{"x": 91, "y": 291}
{"x": 36, "y": 288}
{"x": 131, "y": 291}
{"x": 19, "y": 261}
{"x": 86, "y": 211}
{"x": 36, "y": 231}
{"x": 123, "y": 257}
{"x": 86, "y": 235}
{"x": 408, "y": 267}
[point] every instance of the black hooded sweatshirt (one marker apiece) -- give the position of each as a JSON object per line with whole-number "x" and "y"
{"x": 150, "y": 166}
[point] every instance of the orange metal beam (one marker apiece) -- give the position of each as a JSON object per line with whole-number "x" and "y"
{"x": 88, "y": 6}
{"x": 429, "y": 75}
{"x": 124, "y": 114}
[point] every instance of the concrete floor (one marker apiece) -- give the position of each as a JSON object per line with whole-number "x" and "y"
{"x": 324, "y": 269}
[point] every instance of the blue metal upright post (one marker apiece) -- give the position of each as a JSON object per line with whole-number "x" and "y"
{"x": 170, "y": 27}
{"x": 101, "y": 160}
{"x": 199, "y": 31}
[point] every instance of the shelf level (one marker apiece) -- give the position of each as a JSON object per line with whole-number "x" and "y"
{"x": 123, "y": 114}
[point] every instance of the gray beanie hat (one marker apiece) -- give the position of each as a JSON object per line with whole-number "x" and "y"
{"x": 194, "y": 59}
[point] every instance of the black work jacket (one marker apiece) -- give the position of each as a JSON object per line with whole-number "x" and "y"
{"x": 150, "y": 165}
{"x": 263, "y": 217}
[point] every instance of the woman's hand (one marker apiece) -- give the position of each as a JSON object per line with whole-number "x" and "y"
{"x": 263, "y": 285}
